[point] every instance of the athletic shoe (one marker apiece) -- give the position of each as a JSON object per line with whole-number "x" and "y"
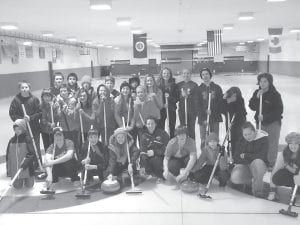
{"x": 272, "y": 196}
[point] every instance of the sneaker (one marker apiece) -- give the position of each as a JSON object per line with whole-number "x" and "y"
{"x": 272, "y": 196}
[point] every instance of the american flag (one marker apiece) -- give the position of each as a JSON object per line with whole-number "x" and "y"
{"x": 214, "y": 42}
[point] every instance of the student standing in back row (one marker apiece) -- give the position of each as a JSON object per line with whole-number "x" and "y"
{"x": 272, "y": 109}
{"x": 187, "y": 90}
{"x": 214, "y": 113}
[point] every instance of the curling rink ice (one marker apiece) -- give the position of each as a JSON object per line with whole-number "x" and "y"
{"x": 159, "y": 203}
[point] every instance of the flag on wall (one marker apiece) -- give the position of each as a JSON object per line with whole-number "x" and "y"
{"x": 214, "y": 42}
{"x": 140, "y": 45}
{"x": 274, "y": 40}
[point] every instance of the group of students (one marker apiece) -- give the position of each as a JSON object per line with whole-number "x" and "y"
{"x": 139, "y": 112}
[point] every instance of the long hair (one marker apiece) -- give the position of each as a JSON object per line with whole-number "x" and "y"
{"x": 155, "y": 88}
{"x": 287, "y": 156}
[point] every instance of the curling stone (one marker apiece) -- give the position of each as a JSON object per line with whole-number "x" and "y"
{"x": 189, "y": 186}
{"x": 110, "y": 186}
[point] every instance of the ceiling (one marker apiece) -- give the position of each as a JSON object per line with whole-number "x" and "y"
{"x": 161, "y": 19}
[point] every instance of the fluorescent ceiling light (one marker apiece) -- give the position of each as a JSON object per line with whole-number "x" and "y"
{"x": 260, "y": 39}
{"x": 27, "y": 43}
{"x": 109, "y": 46}
{"x": 228, "y": 26}
{"x": 47, "y": 33}
{"x": 276, "y": 0}
{"x": 9, "y": 26}
{"x": 136, "y": 30}
{"x": 100, "y": 45}
{"x": 100, "y": 4}
{"x": 123, "y": 21}
{"x": 116, "y": 48}
{"x": 295, "y": 30}
{"x": 88, "y": 42}
{"x": 250, "y": 42}
{"x": 72, "y": 39}
{"x": 241, "y": 43}
{"x": 246, "y": 16}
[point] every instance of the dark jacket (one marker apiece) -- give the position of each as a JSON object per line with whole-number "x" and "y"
{"x": 192, "y": 98}
{"x": 272, "y": 107}
{"x": 215, "y": 104}
{"x": 32, "y": 106}
{"x": 172, "y": 89}
{"x": 156, "y": 142}
{"x": 118, "y": 153}
{"x": 256, "y": 149}
{"x": 19, "y": 147}
{"x": 45, "y": 122}
{"x": 100, "y": 158}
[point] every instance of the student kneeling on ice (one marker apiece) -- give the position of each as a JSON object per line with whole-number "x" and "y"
{"x": 20, "y": 147}
{"x": 97, "y": 162}
{"x": 59, "y": 161}
{"x": 251, "y": 158}
{"x": 204, "y": 165}
{"x": 287, "y": 166}
{"x": 180, "y": 153}
{"x": 118, "y": 161}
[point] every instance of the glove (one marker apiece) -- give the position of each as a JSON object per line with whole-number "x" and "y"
{"x": 26, "y": 161}
{"x": 222, "y": 150}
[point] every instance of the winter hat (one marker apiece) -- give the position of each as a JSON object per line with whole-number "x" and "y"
{"x": 125, "y": 84}
{"x": 181, "y": 130}
{"x": 93, "y": 132}
{"x": 293, "y": 137}
{"x": 46, "y": 91}
{"x": 212, "y": 137}
{"x": 120, "y": 130}
{"x": 73, "y": 75}
{"x": 205, "y": 69}
{"x": 268, "y": 76}
{"x": 110, "y": 78}
{"x": 57, "y": 130}
{"x": 20, "y": 123}
{"x": 86, "y": 79}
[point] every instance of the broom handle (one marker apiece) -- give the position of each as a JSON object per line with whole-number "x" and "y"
{"x": 105, "y": 125}
{"x": 51, "y": 111}
{"x": 11, "y": 182}
{"x": 85, "y": 170}
{"x": 167, "y": 109}
{"x": 293, "y": 195}
{"x": 208, "y": 116}
{"x": 143, "y": 122}
{"x": 128, "y": 155}
{"x": 128, "y": 114}
{"x": 32, "y": 139}
{"x": 229, "y": 136}
{"x": 260, "y": 111}
{"x": 185, "y": 111}
{"x": 81, "y": 128}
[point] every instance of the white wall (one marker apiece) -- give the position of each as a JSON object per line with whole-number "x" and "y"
{"x": 106, "y": 55}
{"x": 71, "y": 59}
{"x": 290, "y": 47}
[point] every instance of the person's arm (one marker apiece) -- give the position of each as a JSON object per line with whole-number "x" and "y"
{"x": 166, "y": 163}
{"x": 65, "y": 158}
{"x": 190, "y": 163}
{"x": 135, "y": 153}
{"x": 260, "y": 153}
{"x": 36, "y": 115}
{"x": 160, "y": 146}
{"x": 117, "y": 110}
{"x": 111, "y": 164}
{"x": 254, "y": 102}
{"x": 15, "y": 110}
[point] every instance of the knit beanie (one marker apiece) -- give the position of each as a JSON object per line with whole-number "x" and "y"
{"x": 93, "y": 132}
{"x": 73, "y": 75}
{"x": 205, "y": 69}
{"x": 181, "y": 130}
{"x": 20, "y": 123}
{"x": 86, "y": 79}
{"x": 293, "y": 137}
{"x": 212, "y": 137}
{"x": 125, "y": 84}
{"x": 110, "y": 78}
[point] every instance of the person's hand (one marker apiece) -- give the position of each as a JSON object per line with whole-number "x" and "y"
{"x": 88, "y": 167}
{"x": 165, "y": 174}
{"x": 49, "y": 163}
{"x": 133, "y": 95}
{"x": 81, "y": 111}
{"x": 242, "y": 155}
{"x": 150, "y": 153}
{"x": 208, "y": 111}
{"x": 183, "y": 93}
{"x": 260, "y": 118}
{"x": 297, "y": 179}
{"x": 110, "y": 177}
{"x": 259, "y": 93}
{"x": 86, "y": 161}
{"x": 26, "y": 118}
{"x": 167, "y": 95}
{"x": 52, "y": 125}
{"x": 181, "y": 177}
{"x": 130, "y": 169}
